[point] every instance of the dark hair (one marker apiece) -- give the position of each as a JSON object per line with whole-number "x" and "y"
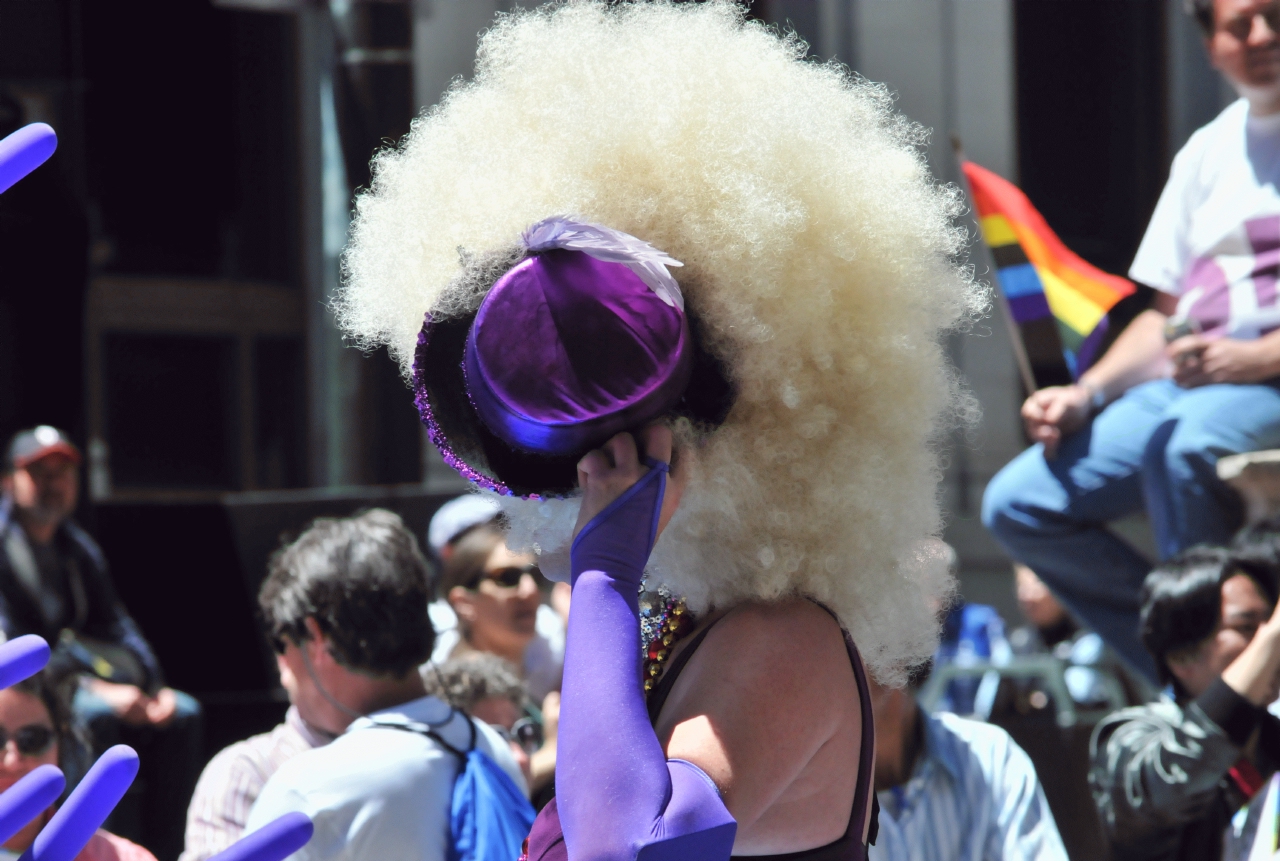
{"x": 365, "y": 582}
{"x": 464, "y": 681}
{"x": 1182, "y": 599}
{"x": 469, "y": 556}
{"x": 1260, "y": 541}
{"x": 73, "y": 748}
{"x": 1202, "y": 12}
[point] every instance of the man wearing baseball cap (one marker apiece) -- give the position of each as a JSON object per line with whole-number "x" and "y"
{"x": 54, "y": 582}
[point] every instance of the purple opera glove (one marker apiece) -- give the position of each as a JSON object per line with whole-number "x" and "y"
{"x": 24, "y": 151}
{"x": 274, "y": 841}
{"x": 87, "y": 807}
{"x": 619, "y": 798}
{"x": 618, "y": 539}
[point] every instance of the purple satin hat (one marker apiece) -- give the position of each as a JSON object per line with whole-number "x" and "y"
{"x": 582, "y": 339}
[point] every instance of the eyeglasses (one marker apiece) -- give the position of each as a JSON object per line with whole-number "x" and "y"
{"x": 525, "y": 732}
{"x": 509, "y": 577}
{"x": 32, "y": 739}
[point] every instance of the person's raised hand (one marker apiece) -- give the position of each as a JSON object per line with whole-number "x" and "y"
{"x": 1199, "y": 361}
{"x": 1051, "y": 413}
{"x": 162, "y": 707}
{"x": 550, "y": 717}
{"x": 560, "y": 599}
{"x": 609, "y": 471}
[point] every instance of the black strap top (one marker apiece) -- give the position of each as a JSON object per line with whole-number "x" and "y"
{"x": 849, "y": 847}
{"x": 546, "y": 839}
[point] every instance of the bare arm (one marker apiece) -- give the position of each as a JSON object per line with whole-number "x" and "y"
{"x": 1137, "y": 356}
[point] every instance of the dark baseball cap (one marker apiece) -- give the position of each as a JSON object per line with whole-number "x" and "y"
{"x": 28, "y": 446}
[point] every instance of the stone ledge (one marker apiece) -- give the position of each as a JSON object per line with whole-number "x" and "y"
{"x": 1256, "y": 476}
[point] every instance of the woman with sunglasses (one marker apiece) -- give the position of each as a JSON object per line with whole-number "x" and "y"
{"x": 494, "y": 593}
{"x": 35, "y": 729}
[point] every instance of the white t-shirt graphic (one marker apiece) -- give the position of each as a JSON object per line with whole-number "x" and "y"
{"x": 1214, "y": 238}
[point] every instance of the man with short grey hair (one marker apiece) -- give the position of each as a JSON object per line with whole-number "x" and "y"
{"x": 346, "y": 608}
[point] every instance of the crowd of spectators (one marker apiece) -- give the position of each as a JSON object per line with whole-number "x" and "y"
{"x": 410, "y": 674}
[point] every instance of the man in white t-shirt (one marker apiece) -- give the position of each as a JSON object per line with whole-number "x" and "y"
{"x": 1191, "y": 380}
{"x": 346, "y": 607}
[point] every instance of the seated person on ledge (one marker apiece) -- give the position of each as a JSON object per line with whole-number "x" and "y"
{"x": 1169, "y": 776}
{"x": 1146, "y": 425}
{"x": 54, "y": 583}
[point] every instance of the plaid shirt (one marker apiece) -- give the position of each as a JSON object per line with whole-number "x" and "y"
{"x": 232, "y": 780}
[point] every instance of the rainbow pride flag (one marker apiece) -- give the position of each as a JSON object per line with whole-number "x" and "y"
{"x": 1057, "y": 300}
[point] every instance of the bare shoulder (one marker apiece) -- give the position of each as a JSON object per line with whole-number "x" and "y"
{"x": 782, "y": 634}
{"x": 785, "y": 654}
{"x": 768, "y": 708}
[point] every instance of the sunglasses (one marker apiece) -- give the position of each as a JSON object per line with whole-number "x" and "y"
{"x": 31, "y": 740}
{"x": 525, "y": 732}
{"x": 509, "y": 577}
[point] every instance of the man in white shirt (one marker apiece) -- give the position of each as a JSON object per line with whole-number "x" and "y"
{"x": 346, "y": 606}
{"x": 1189, "y": 381}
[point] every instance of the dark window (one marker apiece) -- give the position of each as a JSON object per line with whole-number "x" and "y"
{"x": 190, "y": 128}
{"x": 171, "y": 411}
{"x": 280, "y": 434}
{"x": 1092, "y": 152}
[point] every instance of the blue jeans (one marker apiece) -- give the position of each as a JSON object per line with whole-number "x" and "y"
{"x": 1157, "y": 446}
{"x": 154, "y": 811}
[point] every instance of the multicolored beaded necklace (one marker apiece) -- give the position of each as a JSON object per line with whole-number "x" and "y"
{"x": 664, "y": 621}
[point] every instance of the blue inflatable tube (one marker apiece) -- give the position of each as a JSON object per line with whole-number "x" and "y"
{"x": 87, "y": 807}
{"x": 24, "y": 151}
{"x": 28, "y": 798}
{"x": 274, "y": 841}
{"x": 22, "y": 657}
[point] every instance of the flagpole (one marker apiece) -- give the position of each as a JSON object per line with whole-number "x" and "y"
{"x": 1019, "y": 350}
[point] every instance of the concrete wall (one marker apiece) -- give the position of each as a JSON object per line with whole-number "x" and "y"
{"x": 950, "y": 64}
{"x": 1196, "y": 91}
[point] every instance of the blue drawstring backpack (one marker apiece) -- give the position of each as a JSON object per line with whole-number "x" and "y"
{"x": 490, "y": 817}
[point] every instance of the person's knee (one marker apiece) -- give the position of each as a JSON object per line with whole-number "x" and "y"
{"x": 1179, "y": 451}
{"x": 187, "y": 706}
{"x": 188, "y": 715}
{"x": 94, "y": 713}
{"x": 1001, "y": 500}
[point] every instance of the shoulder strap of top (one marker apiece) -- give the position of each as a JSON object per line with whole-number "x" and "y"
{"x": 850, "y": 846}
{"x": 658, "y": 696}
{"x": 865, "y": 792}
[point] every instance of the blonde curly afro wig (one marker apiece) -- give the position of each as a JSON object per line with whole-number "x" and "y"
{"x": 819, "y": 260}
